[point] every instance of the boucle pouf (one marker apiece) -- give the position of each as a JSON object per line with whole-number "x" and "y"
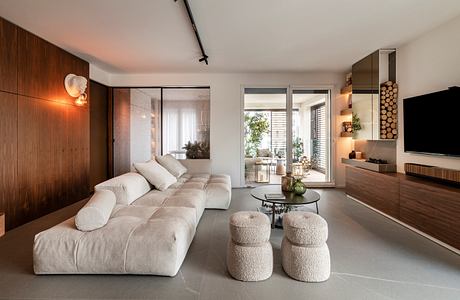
{"x": 310, "y": 264}
{"x": 305, "y": 228}
{"x": 305, "y": 254}
{"x": 249, "y": 227}
{"x": 250, "y": 263}
{"x": 249, "y": 252}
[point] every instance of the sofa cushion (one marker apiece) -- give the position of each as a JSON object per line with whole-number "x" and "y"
{"x": 96, "y": 212}
{"x": 171, "y": 164}
{"x": 127, "y": 187}
{"x": 158, "y": 176}
{"x": 218, "y": 192}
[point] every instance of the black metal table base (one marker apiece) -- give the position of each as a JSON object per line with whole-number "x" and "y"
{"x": 277, "y": 219}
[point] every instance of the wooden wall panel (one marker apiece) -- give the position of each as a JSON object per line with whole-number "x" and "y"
{"x": 8, "y": 153}
{"x": 44, "y": 136}
{"x": 379, "y": 190}
{"x": 433, "y": 209}
{"x": 53, "y": 145}
{"x": 121, "y": 131}
{"x": 8, "y": 57}
{"x": 43, "y": 66}
{"x": 99, "y": 125}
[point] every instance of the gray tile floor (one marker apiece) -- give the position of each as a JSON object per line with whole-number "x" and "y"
{"x": 372, "y": 258}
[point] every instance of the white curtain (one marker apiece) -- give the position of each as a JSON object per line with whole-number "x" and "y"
{"x": 179, "y": 127}
{"x": 170, "y": 130}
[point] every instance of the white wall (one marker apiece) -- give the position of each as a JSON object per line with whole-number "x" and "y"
{"x": 429, "y": 63}
{"x": 226, "y": 107}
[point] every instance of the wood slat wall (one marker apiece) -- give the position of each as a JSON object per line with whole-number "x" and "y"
{"x": 44, "y": 137}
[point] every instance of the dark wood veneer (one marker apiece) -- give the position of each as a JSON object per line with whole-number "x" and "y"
{"x": 430, "y": 207}
{"x": 44, "y": 149}
{"x": 8, "y": 153}
{"x": 8, "y": 57}
{"x": 376, "y": 189}
{"x": 43, "y": 66}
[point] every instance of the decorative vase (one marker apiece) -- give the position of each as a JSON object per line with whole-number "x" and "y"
{"x": 299, "y": 187}
{"x": 287, "y": 182}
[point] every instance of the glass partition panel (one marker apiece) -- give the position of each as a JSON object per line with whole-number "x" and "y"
{"x": 185, "y": 123}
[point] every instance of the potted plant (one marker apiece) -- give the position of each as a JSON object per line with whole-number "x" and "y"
{"x": 255, "y": 127}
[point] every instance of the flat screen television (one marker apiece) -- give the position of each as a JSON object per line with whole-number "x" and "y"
{"x": 432, "y": 123}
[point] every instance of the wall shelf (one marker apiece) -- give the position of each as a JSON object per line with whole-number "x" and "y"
{"x": 347, "y": 111}
{"x": 346, "y": 134}
{"x": 346, "y": 89}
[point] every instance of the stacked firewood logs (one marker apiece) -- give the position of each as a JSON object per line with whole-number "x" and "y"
{"x": 388, "y": 110}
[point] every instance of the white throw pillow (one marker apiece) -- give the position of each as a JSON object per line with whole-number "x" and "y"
{"x": 158, "y": 176}
{"x": 96, "y": 213}
{"x": 171, "y": 164}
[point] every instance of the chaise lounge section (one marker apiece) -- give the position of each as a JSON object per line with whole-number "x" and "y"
{"x": 148, "y": 232}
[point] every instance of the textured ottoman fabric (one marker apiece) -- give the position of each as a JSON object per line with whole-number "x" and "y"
{"x": 310, "y": 264}
{"x": 249, "y": 253}
{"x": 305, "y": 228}
{"x": 249, "y": 227}
{"x": 305, "y": 255}
{"x": 248, "y": 263}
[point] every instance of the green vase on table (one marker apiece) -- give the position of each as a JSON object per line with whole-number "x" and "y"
{"x": 299, "y": 187}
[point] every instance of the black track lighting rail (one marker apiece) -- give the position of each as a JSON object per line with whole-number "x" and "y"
{"x": 195, "y": 30}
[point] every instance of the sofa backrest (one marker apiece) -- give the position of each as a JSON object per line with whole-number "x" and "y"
{"x": 127, "y": 187}
{"x": 197, "y": 166}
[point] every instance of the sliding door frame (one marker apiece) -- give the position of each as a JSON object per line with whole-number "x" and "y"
{"x": 330, "y": 129}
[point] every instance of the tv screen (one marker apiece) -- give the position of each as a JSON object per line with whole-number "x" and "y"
{"x": 432, "y": 123}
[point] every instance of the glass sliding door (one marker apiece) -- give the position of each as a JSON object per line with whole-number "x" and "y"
{"x": 265, "y": 135}
{"x": 286, "y": 129}
{"x": 311, "y": 134}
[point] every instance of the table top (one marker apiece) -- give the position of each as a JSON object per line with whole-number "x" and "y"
{"x": 259, "y": 192}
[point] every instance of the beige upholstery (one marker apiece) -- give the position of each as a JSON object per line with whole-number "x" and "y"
{"x": 249, "y": 227}
{"x": 127, "y": 187}
{"x": 171, "y": 164}
{"x": 305, "y": 255}
{"x": 248, "y": 263}
{"x": 305, "y": 228}
{"x": 148, "y": 232}
{"x": 128, "y": 244}
{"x": 96, "y": 212}
{"x": 249, "y": 252}
{"x": 309, "y": 264}
{"x": 218, "y": 192}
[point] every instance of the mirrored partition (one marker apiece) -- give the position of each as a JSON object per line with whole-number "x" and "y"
{"x": 148, "y": 122}
{"x": 368, "y": 74}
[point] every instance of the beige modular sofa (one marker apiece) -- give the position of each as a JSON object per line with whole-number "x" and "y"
{"x": 149, "y": 236}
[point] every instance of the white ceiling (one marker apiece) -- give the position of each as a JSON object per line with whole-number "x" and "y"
{"x": 147, "y": 36}
{"x": 180, "y": 94}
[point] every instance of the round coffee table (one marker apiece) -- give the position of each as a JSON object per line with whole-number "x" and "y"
{"x": 259, "y": 193}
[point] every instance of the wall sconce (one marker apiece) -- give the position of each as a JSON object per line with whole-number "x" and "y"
{"x": 76, "y": 87}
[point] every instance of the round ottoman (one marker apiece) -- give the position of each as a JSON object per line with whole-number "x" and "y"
{"x": 305, "y": 254}
{"x": 249, "y": 252}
